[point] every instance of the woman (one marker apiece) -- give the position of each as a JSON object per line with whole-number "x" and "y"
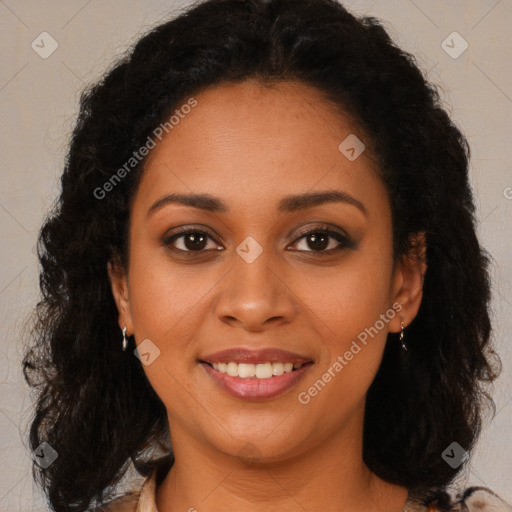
{"x": 263, "y": 255}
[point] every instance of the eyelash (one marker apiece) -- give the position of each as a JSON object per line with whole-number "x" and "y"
{"x": 344, "y": 241}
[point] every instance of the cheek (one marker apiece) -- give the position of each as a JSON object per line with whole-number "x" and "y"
{"x": 355, "y": 310}
{"x": 349, "y": 298}
{"x": 166, "y": 306}
{"x": 163, "y": 295}
{"x": 349, "y": 303}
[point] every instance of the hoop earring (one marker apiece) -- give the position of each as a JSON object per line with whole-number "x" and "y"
{"x": 401, "y": 339}
{"x": 125, "y": 341}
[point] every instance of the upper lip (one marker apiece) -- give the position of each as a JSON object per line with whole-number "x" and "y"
{"x": 251, "y": 356}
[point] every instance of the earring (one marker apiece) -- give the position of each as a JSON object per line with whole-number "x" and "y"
{"x": 125, "y": 341}
{"x": 401, "y": 339}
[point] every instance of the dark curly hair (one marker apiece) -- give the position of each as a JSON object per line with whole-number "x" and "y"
{"x": 95, "y": 406}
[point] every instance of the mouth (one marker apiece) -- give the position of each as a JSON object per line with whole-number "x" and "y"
{"x": 255, "y": 375}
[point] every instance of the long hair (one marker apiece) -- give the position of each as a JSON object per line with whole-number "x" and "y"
{"x": 95, "y": 406}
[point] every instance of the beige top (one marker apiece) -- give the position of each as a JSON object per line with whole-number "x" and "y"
{"x": 475, "y": 499}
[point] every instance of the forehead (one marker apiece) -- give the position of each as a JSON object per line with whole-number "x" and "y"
{"x": 251, "y": 142}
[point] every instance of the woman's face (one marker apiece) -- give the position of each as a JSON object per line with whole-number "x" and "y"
{"x": 256, "y": 280}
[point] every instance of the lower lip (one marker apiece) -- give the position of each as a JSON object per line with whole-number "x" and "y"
{"x": 256, "y": 389}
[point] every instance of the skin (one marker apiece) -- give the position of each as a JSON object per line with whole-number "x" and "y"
{"x": 308, "y": 457}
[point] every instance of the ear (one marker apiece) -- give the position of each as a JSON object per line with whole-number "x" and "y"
{"x": 407, "y": 284}
{"x": 119, "y": 285}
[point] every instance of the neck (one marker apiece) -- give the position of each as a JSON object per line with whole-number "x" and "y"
{"x": 327, "y": 477}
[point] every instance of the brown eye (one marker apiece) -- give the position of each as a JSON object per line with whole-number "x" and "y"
{"x": 318, "y": 241}
{"x": 189, "y": 240}
{"x": 323, "y": 240}
{"x": 195, "y": 241}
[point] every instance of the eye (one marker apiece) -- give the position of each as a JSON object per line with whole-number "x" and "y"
{"x": 189, "y": 240}
{"x": 323, "y": 240}
{"x": 320, "y": 240}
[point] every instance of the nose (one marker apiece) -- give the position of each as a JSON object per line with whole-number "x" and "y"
{"x": 256, "y": 295}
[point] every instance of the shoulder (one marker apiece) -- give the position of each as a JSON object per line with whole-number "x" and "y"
{"x": 481, "y": 499}
{"x": 473, "y": 499}
{"x": 142, "y": 498}
{"x": 126, "y": 503}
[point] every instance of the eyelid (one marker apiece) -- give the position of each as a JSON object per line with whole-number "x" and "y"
{"x": 196, "y": 228}
{"x": 323, "y": 227}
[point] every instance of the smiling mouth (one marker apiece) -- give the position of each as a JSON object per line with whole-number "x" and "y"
{"x": 262, "y": 371}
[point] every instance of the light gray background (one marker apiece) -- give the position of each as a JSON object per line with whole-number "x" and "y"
{"x": 38, "y": 105}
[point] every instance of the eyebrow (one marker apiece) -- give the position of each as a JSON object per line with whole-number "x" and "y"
{"x": 289, "y": 203}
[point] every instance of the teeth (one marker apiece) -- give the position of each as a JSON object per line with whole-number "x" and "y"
{"x": 277, "y": 368}
{"x": 260, "y": 371}
{"x": 246, "y": 370}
